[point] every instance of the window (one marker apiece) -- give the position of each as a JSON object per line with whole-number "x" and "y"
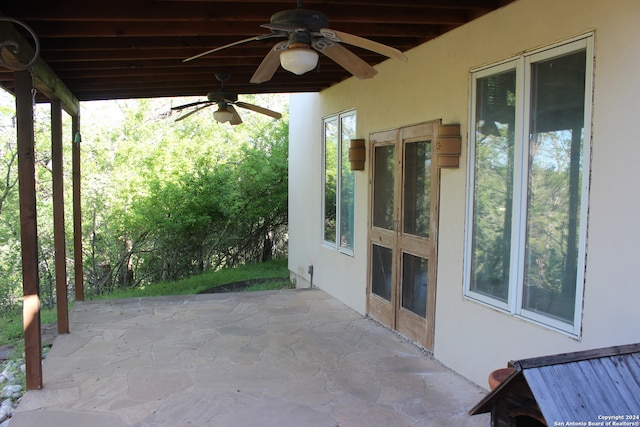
{"x": 339, "y": 182}
{"x": 529, "y": 153}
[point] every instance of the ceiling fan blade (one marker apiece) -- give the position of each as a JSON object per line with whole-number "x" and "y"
{"x": 382, "y": 49}
{"x": 192, "y": 104}
{"x": 192, "y": 112}
{"x": 260, "y": 37}
{"x": 345, "y": 58}
{"x": 235, "y": 120}
{"x": 258, "y": 109}
{"x": 269, "y": 64}
{"x": 281, "y": 27}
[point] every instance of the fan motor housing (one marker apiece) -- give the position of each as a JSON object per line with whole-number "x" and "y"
{"x": 304, "y": 18}
{"x": 222, "y": 96}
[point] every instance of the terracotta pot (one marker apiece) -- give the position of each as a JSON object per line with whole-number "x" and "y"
{"x": 499, "y": 375}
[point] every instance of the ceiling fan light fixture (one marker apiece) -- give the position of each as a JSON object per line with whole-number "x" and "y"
{"x": 222, "y": 115}
{"x": 299, "y": 58}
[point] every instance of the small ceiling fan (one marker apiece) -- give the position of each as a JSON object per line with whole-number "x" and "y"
{"x": 307, "y": 33}
{"x": 225, "y": 102}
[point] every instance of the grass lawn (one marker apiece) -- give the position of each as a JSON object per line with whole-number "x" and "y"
{"x": 275, "y": 269}
{"x": 11, "y": 325}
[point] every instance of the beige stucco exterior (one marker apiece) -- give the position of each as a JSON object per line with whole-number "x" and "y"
{"x": 472, "y": 338}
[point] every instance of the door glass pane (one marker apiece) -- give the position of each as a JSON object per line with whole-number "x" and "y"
{"x": 493, "y": 184}
{"x": 347, "y": 183}
{"x": 417, "y": 188}
{"x": 330, "y": 179}
{"x": 381, "y": 271}
{"x": 415, "y": 271}
{"x": 383, "y": 186}
{"x": 554, "y": 185}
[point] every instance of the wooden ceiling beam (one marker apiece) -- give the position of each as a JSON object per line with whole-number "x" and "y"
{"x": 232, "y": 30}
{"x": 176, "y": 56}
{"x": 284, "y": 86}
{"x": 78, "y": 45}
{"x": 222, "y": 12}
{"x": 239, "y": 77}
{"x": 139, "y": 10}
{"x": 108, "y": 48}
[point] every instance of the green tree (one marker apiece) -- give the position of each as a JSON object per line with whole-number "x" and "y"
{"x": 10, "y": 277}
{"x": 160, "y": 199}
{"x": 171, "y": 199}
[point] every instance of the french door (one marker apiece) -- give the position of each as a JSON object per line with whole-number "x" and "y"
{"x": 403, "y": 230}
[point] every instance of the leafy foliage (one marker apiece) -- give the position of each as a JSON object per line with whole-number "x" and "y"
{"x": 10, "y": 277}
{"x": 161, "y": 200}
{"x": 189, "y": 197}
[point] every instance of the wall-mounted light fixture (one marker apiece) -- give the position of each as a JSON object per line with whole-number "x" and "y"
{"x": 448, "y": 146}
{"x": 357, "y": 153}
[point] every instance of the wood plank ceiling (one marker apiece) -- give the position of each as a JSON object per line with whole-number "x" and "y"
{"x": 113, "y": 49}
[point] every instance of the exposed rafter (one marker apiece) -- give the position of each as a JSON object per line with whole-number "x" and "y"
{"x": 124, "y": 49}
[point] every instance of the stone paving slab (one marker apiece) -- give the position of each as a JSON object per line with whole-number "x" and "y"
{"x": 294, "y": 358}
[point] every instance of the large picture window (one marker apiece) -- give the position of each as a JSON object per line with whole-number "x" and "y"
{"x": 529, "y": 157}
{"x": 339, "y": 182}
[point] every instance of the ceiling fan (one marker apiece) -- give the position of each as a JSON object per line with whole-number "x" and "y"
{"x": 225, "y": 102}
{"x": 307, "y": 33}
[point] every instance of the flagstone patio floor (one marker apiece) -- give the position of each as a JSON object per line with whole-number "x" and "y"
{"x": 296, "y": 358}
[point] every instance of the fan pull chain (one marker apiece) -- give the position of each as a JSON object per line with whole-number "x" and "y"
{"x": 34, "y": 93}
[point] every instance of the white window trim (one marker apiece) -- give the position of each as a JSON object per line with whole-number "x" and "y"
{"x": 513, "y": 306}
{"x": 336, "y": 245}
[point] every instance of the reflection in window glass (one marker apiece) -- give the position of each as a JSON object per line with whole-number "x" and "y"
{"x": 493, "y": 184}
{"x": 347, "y": 182}
{"x": 339, "y": 182}
{"x": 383, "y": 191}
{"x": 554, "y": 185}
{"x": 381, "y": 271}
{"x": 417, "y": 188}
{"x": 415, "y": 271}
{"x": 330, "y": 178}
{"x": 528, "y": 188}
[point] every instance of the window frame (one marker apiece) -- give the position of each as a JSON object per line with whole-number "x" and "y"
{"x": 342, "y": 162}
{"x": 515, "y": 297}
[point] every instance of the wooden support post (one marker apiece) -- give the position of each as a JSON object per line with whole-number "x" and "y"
{"x": 28, "y": 230}
{"x": 62, "y": 304}
{"x": 77, "y": 211}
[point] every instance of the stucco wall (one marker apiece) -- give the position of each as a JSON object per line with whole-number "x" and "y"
{"x": 335, "y": 272}
{"x": 472, "y": 338}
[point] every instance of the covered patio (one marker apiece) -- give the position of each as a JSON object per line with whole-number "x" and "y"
{"x": 273, "y": 358}
{"x": 66, "y": 52}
